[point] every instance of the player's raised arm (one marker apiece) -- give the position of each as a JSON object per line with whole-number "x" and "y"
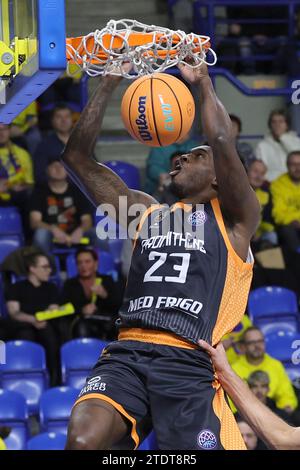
{"x": 237, "y": 198}
{"x": 99, "y": 183}
{"x": 273, "y": 430}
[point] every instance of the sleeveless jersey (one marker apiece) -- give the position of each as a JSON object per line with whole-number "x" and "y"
{"x": 185, "y": 277}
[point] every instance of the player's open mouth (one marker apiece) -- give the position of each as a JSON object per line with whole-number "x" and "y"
{"x": 177, "y": 169}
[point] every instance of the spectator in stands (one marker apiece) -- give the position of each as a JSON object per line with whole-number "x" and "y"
{"x": 59, "y": 212}
{"x": 16, "y": 177}
{"x": 244, "y": 150}
{"x": 248, "y": 434}
{"x": 255, "y": 358}
{"x": 32, "y": 295}
{"x": 158, "y": 163}
{"x": 286, "y": 203}
{"x": 232, "y": 341}
{"x": 51, "y": 147}
{"x": 24, "y": 129}
{"x": 164, "y": 193}
{"x": 265, "y": 235}
{"x": 96, "y": 298}
{"x": 259, "y": 384}
{"x": 275, "y": 147}
{"x": 285, "y": 192}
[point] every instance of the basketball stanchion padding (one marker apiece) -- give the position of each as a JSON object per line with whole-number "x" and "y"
{"x": 158, "y": 110}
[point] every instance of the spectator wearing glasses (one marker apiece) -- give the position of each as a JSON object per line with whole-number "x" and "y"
{"x": 255, "y": 358}
{"x": 32, "y": 295}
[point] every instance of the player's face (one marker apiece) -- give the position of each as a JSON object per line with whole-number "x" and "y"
{"x": 86, "y": 265}
{"x": 193, "y": 172}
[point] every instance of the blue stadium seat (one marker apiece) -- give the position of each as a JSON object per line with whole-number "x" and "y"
{"x": 150, "y": 443}
{"x": 283, "y": 345}
{"x": 273, "y": 304}
{"x": 55, "y": 408}
{"x": 128, "y": 172}
{"x": 8, "y": 243}
{"x": 14, "y": 413}
{"x": 47, "y": 441}
{"x": 11, "y": 222}
{"x": 78, "y": 356}
{"x": 278, "y": 326}
{"x": 106, "y": 264}
{"x": 25, "y": 371}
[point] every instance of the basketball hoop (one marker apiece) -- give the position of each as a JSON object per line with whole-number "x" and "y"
{"x": 150, "y": 49}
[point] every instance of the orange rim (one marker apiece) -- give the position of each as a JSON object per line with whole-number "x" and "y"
{"x": 134, "y": 39}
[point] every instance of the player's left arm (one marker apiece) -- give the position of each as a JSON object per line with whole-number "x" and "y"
{"x": 237, "y": 198}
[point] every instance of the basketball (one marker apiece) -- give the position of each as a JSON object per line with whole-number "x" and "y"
{"x": 158, "y": 110}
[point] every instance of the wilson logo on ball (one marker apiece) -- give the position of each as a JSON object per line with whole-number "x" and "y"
{"x": 141, "y": 122}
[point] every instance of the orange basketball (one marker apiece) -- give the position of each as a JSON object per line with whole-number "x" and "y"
{"x": 158, "y": 110}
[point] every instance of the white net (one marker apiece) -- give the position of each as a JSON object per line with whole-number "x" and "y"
{"x": 150, "y": 49}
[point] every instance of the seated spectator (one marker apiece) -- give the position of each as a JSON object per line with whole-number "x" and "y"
{"x": 231, "y": 341}
{"x": 16, "y": 177}
{"x": 51, "y": 146}
{"x": 59, "y": 212}
{"x": 158, "y": 163}
{"x": 275, "y": 147}
{"x": 259, "y": 384}
{"x": 164, "y": 193}
{"x": 244, "y": 150}
{"x": 285, "y": 192}
{"x": 265, "y": 235}
{"x": 286, "y": 203}
{"x": 96, "y": 298}
{"x": 24, "y": 129}
{"x": 255, "y": 358}
{"x": 248, "y": 434}
{"x": 32, "y": 295}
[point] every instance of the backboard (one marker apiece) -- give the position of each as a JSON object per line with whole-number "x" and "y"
{"x": 32, "y": 51}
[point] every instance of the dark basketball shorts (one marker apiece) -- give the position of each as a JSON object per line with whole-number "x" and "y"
{"x": 170, "y": 389}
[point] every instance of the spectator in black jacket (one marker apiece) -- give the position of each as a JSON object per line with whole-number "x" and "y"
{"x": 32, "y": 295}
{"x": 96, "y": 298}
{"x": 51, "y": 146}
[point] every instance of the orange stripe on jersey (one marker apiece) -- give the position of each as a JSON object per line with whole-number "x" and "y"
{"x": 230, "y": 436}
{"x": 156, "y": 337}
{"x": 119, "y": 408}
{"x": 236, "y": 287}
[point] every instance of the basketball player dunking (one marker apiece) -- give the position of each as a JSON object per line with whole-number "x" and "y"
{"x": 156, "y": 375}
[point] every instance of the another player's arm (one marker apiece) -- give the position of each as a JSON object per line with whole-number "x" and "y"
{"x": 236, "y": 195}
{"x": 270, "y": 428}
{"x": 99, "y": 183}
